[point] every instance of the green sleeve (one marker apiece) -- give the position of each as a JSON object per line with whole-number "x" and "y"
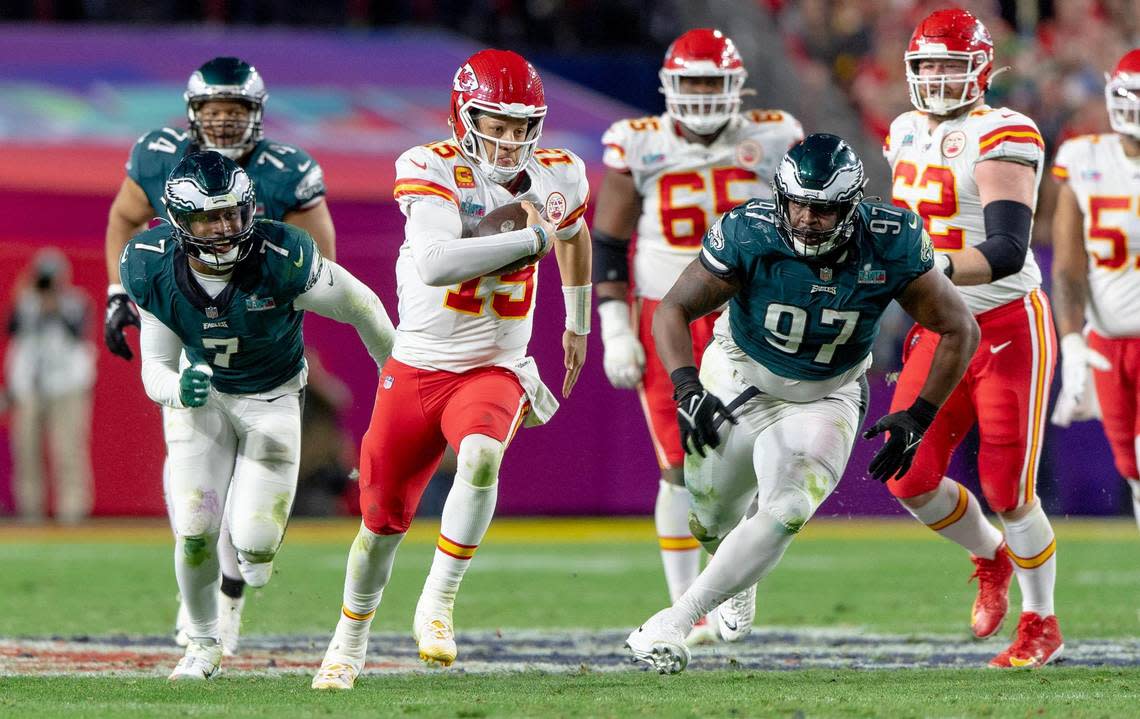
{"x": 720, "y": 247}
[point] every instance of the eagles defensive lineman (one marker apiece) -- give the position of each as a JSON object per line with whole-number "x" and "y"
{"x": 225, "y": 98}
{"x": 229, "y": 292}
{"x": 807, "y": 278}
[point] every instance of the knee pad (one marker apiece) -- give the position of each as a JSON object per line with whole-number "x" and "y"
{"x": 196, "y": 512}
{"x": 708, "y": 540}
{"x": 478, "y": 460}
{"x": 196, "y": 549}
{"x": 799, "y": 488}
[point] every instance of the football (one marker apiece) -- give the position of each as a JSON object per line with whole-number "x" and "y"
{"x": 505, "y": 219}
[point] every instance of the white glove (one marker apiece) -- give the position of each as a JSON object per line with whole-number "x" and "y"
{"x": 624, "y": 357}
{"x": 1077, "y": 401}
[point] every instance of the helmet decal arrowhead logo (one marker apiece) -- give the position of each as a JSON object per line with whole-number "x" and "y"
{"x": 465, "y": 80}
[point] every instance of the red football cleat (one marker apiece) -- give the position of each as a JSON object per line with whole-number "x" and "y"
{"x": 1038, "y": 642}
{"x": 992, "y": 602}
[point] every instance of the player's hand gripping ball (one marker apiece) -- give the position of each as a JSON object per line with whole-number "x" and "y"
{"x": 507, "y": 218}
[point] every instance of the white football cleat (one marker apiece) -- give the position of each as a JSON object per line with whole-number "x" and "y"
{"x": 181, "y": 623}
{"x": 229, "y": 623}
{"x": 735, "y": 616}
{"x": 255, "y": 575}
{"x": 660, "y": 643}
{"x": 344, "y": 659}
{"x": 434, "y": 631}
{"x": 201, "y": 662}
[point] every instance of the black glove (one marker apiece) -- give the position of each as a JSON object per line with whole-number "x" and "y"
{"x": 906, "y": 429}
{"x": 120, "y": 314}
{"x": 698, "y": 412}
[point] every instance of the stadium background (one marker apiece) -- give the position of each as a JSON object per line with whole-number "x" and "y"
{"x": 357, "y": 82}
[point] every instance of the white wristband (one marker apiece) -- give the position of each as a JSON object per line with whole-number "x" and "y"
{"x": 577, "y": 299}
{"x": 116, "y": 289}
{"x": 614, "y": 315}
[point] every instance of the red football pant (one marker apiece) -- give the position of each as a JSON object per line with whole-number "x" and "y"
{"x": 417, "y": 414}
{"x": 1005, "y": 390}
{"x": 1116, "y": 391}
{"x": 656, "y": 388}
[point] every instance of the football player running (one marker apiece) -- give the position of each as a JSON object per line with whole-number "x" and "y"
{"x": 224, "y": 102}
{"x": 459, "y": 374}
{"x": 781, "y": 391}
{"x": 229, "y": 292}
{"x": 971, "y": 171}
{"x": 1096, "y": 240}
{"x": 668, "y": 177}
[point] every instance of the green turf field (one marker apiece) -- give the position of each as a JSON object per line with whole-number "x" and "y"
{"x": 559, "y": 597}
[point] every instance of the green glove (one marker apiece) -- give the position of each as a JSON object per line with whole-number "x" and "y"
{"x": 194, "y": 385}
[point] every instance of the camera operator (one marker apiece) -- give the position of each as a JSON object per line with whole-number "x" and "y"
{"x": 50, "y": 371}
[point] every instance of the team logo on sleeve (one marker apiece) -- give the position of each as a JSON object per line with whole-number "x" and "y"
{"x": 926, "y": 253}
{"x": 749, "y": 153}
{"x": 716, "y": 235}
{"x": 464, "y": 177}
{"x": 556, "y": 207}
{"x": 953, "y": 144}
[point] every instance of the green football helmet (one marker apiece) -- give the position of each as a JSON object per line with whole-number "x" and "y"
{"x": 226, "y": 78}
{"x": 823, "y": 172}
{"x": 211, "y": 203}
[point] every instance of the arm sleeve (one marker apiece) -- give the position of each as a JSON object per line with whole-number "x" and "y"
{"x": 340, "y": 296}
{"x": 444, "y": 258}
{"x": 160, "y": 349}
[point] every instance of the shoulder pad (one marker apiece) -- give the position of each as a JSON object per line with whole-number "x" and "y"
{"x": 433, "y": 170}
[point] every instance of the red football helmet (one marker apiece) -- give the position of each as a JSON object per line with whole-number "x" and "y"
{"x": 703, "y": 52}
{"x": 1122, "y": 94}
{"x": 497, "y": 82}
{"x": 953, "y": 34}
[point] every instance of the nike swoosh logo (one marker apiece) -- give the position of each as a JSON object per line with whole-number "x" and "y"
{"x": 301, "y": 259}
{"x": 731, "y": 625}
{"x": 305, "y": 165}
{"x": 421, "y": 165}
{"x": 994, "y": 349}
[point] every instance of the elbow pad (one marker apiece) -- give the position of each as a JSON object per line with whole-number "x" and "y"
{"x": 1008, "y": 225}
{"x": 611, "y": 258}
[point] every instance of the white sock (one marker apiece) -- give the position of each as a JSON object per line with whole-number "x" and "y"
{"x": 680, "y": 551}
{"x": 369, "y": 568}
{"x": 227, "y": 555}
{"x": 955, "y": 513}
{"x": 1033, "y": 548}
{"x": 745, "y": 556}
{"x": 1134, "y": 484}
{"x": 466, "y": 515}
{"x": 199, "y": 580}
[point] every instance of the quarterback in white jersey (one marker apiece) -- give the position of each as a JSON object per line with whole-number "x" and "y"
{"x": 459, "y": 374}
{"x": 1096, "y": 272}
{"x": 669, "y": 177}
{"x": 971, "y": 171}
{"x": 441, "y": 326}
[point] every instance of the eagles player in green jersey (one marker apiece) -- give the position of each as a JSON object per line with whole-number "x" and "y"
{"x": 224, "y": 98}
{"x": 806, "y": 279}
{"x": 229, "y": 292}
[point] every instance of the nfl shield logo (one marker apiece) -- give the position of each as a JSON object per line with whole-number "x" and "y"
{"x": 825, "y": 274}
{"x": 388, "y": 380}
{"x": 212, "y": 312}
